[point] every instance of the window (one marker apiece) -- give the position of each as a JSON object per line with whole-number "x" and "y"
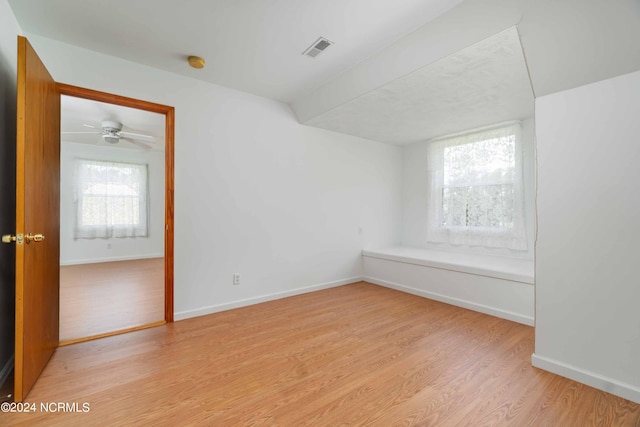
{"x": 110, "y": 199}
{"x": 476, "y": 190}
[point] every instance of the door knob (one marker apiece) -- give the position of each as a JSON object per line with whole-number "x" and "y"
{"x": 34, "y": 237}
{"x": 8, "y": 238}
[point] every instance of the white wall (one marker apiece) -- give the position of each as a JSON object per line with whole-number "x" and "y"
{"x": 80, "y": 251}
{"x": 588, "y": 290}
{"x": 415, "y": 191}
{"x": 256, "y": 192}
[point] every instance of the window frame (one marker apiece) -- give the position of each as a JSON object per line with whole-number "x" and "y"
{"x": 513, "y": 238}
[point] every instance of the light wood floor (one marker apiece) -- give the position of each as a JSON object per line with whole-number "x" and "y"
{"x": 356, "y": 355}
{"x": 111, "y": 296}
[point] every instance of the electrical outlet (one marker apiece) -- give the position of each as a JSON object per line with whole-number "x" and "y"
{"x": 236, "y": 278}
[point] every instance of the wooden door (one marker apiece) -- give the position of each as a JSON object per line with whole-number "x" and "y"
{"x": 37, "y": 212}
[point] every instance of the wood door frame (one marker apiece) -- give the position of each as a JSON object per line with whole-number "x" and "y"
{"x": 169, "y": 113}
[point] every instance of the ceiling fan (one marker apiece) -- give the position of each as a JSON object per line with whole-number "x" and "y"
{"x": 112, "y": 133}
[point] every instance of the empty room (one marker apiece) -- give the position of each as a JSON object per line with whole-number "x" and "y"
{"x": 363, "y": 213}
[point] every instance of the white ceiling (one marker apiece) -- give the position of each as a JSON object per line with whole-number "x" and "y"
{"x": 484, "y": 84}
{"x": 256, "y": 45}
{"x": 251, "y": 45}
{"x": 77, "y": 114}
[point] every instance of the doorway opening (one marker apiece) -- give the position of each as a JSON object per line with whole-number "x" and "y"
{"x": 116, "y": 223}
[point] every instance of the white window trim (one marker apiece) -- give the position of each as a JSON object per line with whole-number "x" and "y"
{"x": 512, "y": 239}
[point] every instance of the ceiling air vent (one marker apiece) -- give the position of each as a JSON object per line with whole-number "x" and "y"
{"x": 317, "y": 47}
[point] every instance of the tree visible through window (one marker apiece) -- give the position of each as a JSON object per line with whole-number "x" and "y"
{"x": 476, "y": 190}
{"x": 111, "y": 199}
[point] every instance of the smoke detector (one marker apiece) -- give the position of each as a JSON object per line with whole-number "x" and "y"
{"x": 196, "y": 62}
{"x": 317, "y": 47}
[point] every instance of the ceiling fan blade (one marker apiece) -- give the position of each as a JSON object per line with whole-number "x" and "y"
{"x": 144, "y": 145}
{"x": 138, "y": 135}
{"x": 89, "y": 126}
{"x": 93, "y": 133}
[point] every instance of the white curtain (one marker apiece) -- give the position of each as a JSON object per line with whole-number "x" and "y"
{"x": 475, "y": 190}
{"x": 110, "y": 199}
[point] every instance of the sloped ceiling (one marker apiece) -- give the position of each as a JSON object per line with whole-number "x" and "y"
{"x": 483, "y": 84}
{"x": 566, "y": 44}
{"x": 571, "y": 43}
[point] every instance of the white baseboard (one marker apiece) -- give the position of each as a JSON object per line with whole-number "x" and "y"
{"x": 626, "y": 391}
{"x": 514, "y": 317}
{"x": 6, "y": 370}
{"x": 181, "y": 315}
{"x": 110, "y": 259}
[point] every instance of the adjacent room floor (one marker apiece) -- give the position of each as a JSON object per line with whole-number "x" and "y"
{"x": 355, "y": 355}
{"x": 106, "y": 297}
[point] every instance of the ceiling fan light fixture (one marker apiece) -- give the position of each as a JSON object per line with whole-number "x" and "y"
{"x": 196, "y": 62}
{"x": 111, "y": 139}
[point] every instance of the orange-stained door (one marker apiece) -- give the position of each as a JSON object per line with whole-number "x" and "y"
{"x": 37, "y": 219}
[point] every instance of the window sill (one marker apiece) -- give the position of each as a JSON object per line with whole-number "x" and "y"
{"x": 514, "y": 269}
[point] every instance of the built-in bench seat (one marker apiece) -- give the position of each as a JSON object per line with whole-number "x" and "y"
{"x": 496, "y": 285}
{"x": 515, "y": 269}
